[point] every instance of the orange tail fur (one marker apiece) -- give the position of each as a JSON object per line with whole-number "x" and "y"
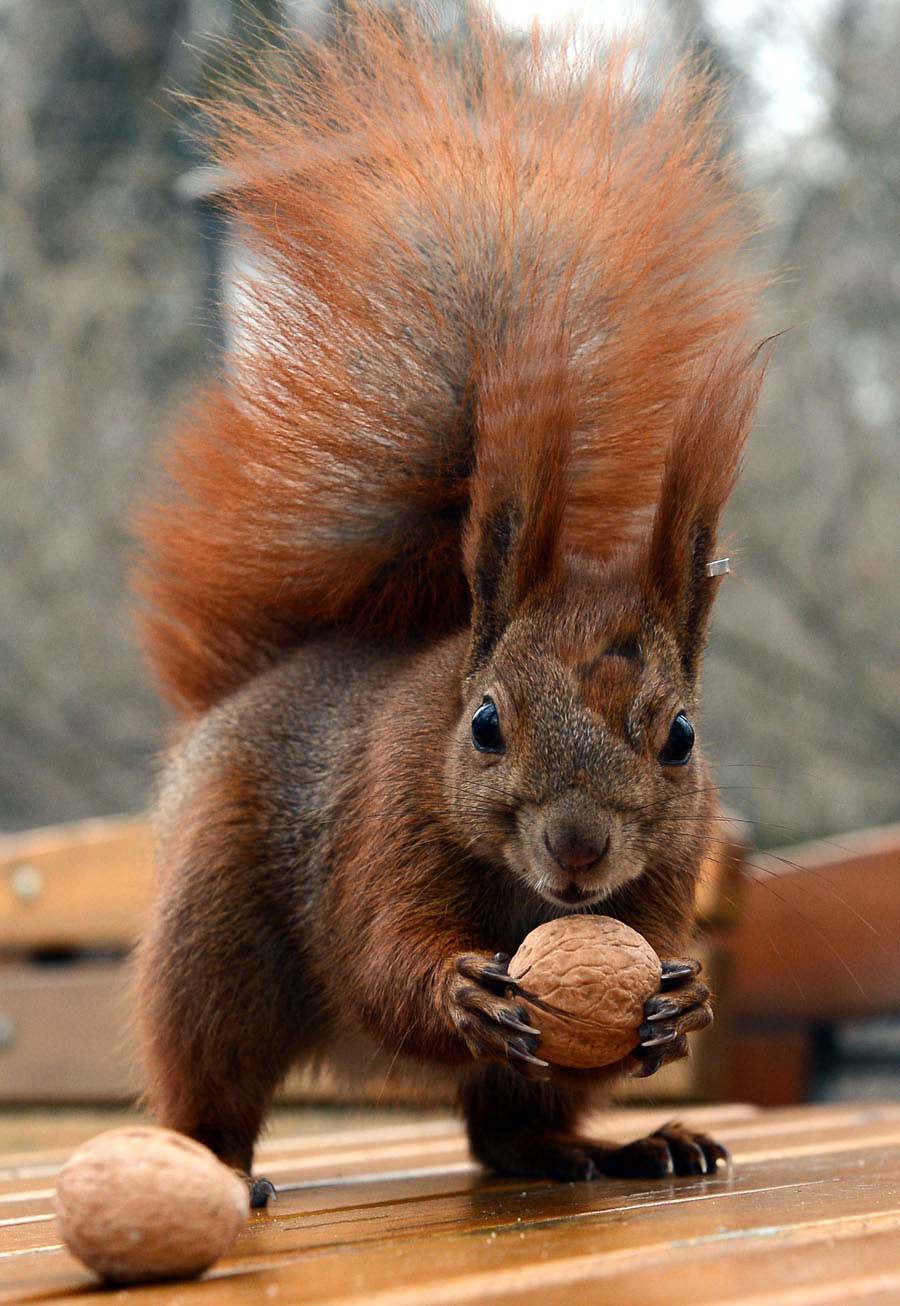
{"x": 501, "y": 262}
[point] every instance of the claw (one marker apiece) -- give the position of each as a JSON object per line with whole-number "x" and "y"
{"x": 522, "y": 1055}
{"x": 717, "y": 1152}
{"x": 676, "y": 972}
{"x": 660, "y": 1009}
{"x": 500, "y": 977}
{"x": 646, "y": 1031}
{"x": 512, "y": 1022}
{"x": 652, "y": 1036}
{"x": 262, "y": 1191}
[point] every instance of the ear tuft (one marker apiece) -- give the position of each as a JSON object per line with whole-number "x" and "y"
{"x": 493, "y": 579}
{"x": 701, "y": 470}
{"x": 524, "y": 421}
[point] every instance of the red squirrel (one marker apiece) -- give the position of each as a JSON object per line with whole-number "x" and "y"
{"x": 428, "y": 578}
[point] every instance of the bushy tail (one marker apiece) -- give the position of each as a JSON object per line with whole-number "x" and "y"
{"x": 491, "y": 257}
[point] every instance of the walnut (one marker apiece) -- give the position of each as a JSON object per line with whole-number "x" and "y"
{"x": 139, "y": 1203}
{"x": 585, "y": 980}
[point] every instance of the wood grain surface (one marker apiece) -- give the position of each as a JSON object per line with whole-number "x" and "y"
{"x": 397, "y": 1215}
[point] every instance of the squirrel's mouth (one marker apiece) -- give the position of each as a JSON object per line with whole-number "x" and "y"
{"x": 574, "y": 894}
{"x": 577, "y": 894}
{"x": 570, "y": 895}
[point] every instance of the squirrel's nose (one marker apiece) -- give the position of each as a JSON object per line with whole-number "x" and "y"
{"x": 574, "y": 854}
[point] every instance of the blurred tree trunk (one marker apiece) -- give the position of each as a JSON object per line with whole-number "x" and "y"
{"x": 804, "y": 670}
{"x": 101, "y": 331}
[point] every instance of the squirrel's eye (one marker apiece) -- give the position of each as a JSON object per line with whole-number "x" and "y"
{"x": 677, "y": 749}
{"x": 486, "y": 734}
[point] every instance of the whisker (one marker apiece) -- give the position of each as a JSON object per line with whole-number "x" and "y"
{"x": 806, "y": 921}
{"x": 835, "y": 893}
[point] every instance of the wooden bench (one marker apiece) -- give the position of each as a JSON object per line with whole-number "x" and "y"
{"x": 399, "y": 1216}
{"x": 816, "y": 945}
{"x": 72, "y": 902}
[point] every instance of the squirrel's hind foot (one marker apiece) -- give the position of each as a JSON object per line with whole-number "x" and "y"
{"x": 670, "y": 1150}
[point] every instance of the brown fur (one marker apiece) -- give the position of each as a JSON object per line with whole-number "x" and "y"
{"x": 502, "y": 331}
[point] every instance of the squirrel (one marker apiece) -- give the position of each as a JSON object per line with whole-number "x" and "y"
{"x": 427, "y": 578}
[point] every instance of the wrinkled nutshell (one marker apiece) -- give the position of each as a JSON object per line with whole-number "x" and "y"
{"x": 138, "y": 1204}
{"x": 584, "y": 980}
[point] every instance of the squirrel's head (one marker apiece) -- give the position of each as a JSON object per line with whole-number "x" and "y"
{"x": 575, "y": 762}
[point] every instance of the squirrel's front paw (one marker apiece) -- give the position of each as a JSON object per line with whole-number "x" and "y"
{"x": 479, "y": 1001}
{"x": 681, "y": 1006}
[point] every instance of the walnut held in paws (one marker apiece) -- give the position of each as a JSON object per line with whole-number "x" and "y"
{"x": 585, "y": 980}
{"x": 139, "y": 1203}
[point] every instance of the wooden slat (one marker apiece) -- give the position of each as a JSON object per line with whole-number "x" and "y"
{"x": 71, "y": 1043}
{"x": 84, "y": 885}
{"x": 818, "y": 938}
{"x": 524, "y": 1242}
{"x": 378, "y": 1144}
{"x": 833, "y": 1261}
{"x": 70, "y": 1034}
{"x": 87, "y": 884}
{"x": 779, "y": 1225}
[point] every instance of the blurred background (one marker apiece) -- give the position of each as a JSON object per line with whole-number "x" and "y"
{"x": 112, "y": 263}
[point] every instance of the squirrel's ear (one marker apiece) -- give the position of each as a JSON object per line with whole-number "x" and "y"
{"x": 493, "y": 578}
{"x": 512, "y": 550}
{"x": 518, "y": 490}
{"x": 700, "y": 473}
